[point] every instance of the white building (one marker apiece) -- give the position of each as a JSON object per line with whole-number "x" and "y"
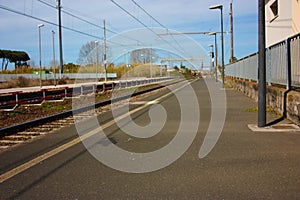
{"x": 282, "y": 20}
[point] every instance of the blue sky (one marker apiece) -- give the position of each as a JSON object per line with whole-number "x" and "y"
{"x": 21, "y": 33}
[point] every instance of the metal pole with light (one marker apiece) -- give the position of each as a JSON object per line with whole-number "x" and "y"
{"x": 212, "y": 55}
{"x": 216, "y": 54}
{"x": 143, "y": 61}
{"x": 104, "y": 51}
{"x": 96, "y": 43}
{"x": 125, "y": 64}
{"x": 53, "y": 52}
{"x": 222, "y": 39}
{"x": 61, "y": 62}
{"x": 150, "y": 66}
{"x": 261, "y": 65}
{"x": 40, "y": 52}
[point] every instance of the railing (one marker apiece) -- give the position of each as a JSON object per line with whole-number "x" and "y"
{"x": 295, "y": 60}
{"x": 245, "y": 68}
{"x": 9, "y": 101}
{"x": 7, "y": 77}
{"x": 282, "y": 64}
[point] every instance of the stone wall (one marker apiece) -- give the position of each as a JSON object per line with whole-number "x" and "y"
{"x": 282, "y": 101}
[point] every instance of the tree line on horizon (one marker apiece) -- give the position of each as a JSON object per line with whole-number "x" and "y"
{"x": 20, "y": 58}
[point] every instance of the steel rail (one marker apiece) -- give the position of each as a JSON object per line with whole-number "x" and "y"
{"x": 6, "y": 131}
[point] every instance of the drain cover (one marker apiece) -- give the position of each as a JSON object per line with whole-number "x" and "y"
{"x": 284, "y": 126}
{"x": 275, "y": 128}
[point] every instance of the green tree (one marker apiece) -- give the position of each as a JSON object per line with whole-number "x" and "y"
{"x": 20, "y": 58}
{"x": 71, "y": 68}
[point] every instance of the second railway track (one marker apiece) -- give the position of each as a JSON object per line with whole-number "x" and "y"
{"x": 16, "y": 134}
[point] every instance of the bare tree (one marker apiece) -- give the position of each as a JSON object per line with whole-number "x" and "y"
{"x": 88, "y": 53}
{"x": 145, "y": 55}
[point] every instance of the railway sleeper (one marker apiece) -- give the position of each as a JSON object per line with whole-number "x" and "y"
{"x": 17, "y": 137}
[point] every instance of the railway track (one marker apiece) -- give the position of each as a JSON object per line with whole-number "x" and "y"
{"x": 17, "y": 134}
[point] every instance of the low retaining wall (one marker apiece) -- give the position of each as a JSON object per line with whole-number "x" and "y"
{"x": 282, "y": 101}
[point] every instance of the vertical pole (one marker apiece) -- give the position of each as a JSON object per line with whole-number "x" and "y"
{"x": 160, "y": 70}
{"x": 222, "y": 35}
{"x": 53, "y": 51}
{"x": 97, "y": 60}
{"x": 216, "y": 56}
{"x": 44, "y": 95}
{"x": 288, "y": 64}
{"x": 40, "y": 53}
{"x": 150, "y": 66}
{"x": 17, "y": 99}
{"x": 60, "y": 39}
{"x": 104, "y": 50}
{"x": 231, "y": 35}
{"x": 261, "y": 65}
{"x": 212, "y": 58}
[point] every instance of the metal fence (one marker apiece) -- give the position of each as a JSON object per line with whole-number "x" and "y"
{"x": 295, "y": 60}
{"x": 282, "y": 64}
{"x": 35, "y": 95}
{"x": 7, "y": 77}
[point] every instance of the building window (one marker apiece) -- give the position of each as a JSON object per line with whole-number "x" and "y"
{"x": 274, "y": 9}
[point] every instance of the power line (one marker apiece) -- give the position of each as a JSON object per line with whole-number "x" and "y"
{"x": 48, "y": 4}
{"x": 131, "y": 15}
{"x": 46, "y": 21}
{"x": 148, "y": 14}
{"x": 163, "y": 26}
{"x": 88, "y": 22}
{"x": 118, "y": 5}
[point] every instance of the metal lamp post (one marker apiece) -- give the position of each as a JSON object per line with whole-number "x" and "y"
{"x": 262, "y": 118}
{"x": 40, "y": 53}
{"x": 212, "y": 55}
{"x": 53, "y": 52}
{"x": 125, "y": 64}
{"x": 216, "y": 54}
{"x": 96, "y": 43}
{"x": 220, "y": 7}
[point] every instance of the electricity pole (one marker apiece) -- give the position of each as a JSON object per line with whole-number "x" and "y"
{"x": 60, "y": 39}
{"x": 104, "y": 50}
{"x": 231, "y": 35}
{"x": 53, "y": 53}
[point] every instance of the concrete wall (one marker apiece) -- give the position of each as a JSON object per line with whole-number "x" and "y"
{"x": 296, "y": 16}
{"x": 277, "y": 98}
{"x": 279, "y": 27}
{"x": 283, "y": 25}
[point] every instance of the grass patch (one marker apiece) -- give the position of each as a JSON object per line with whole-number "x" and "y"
{"x": 255, "y": 109}
{"x": 14, "y": 113}
{"x": 51, "y": 106}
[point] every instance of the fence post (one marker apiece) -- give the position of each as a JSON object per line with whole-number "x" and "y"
{"x": 17, "y": 98}
{"x": 94, "y": 88}
{"x": 44, "y": 94}
{"x": 66, "y": 92}
{"x": 288, "y": 64}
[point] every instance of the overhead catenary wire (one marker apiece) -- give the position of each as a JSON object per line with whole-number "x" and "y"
{"x": 147, "y": 27}
{"x": 88, "y": 22}
{"x": 148, "y": 14}
{"x": 46, "y": 21}
{"x": 55, "y": 24}
{"x": 114, "y": 32}
{"x": 163, "y": 26}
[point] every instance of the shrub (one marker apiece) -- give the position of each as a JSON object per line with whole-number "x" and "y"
{"x": 23, "y": 82}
